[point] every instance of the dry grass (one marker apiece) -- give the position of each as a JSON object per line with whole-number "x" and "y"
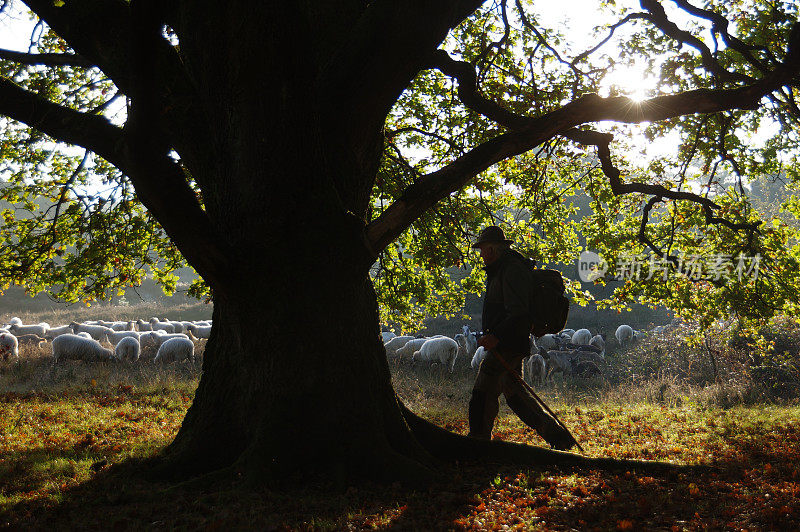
{"x": 73, "y": 436}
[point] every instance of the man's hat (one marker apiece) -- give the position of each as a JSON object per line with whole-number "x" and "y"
{"x": 491, "y": 234}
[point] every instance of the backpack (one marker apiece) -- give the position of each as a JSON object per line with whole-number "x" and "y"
{"x": 549, "y": 306}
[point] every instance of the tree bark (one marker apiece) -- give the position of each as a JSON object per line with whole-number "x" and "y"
{"x": 295, "y": 382}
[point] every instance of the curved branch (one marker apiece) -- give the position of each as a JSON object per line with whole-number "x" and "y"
{"x": 45, "y": 59}
{"x": 662, "y": 22}
{"x": 529, "y": 132}
{"x": 159, "y": 181}
{"x": 103, "y": 33}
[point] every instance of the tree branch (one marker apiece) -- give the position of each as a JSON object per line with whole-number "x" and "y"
{"x": 45, "y": 59}
{"x": 661, "y": 21}
{"x": 529, "y": 132}
{"x": 159, "y": 181}
{"x": 102, "y": 32}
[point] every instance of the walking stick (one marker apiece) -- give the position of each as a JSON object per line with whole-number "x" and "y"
{"x": 538, "y": 399}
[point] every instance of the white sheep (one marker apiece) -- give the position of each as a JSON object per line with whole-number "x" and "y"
{"x": 74, "y": 347}
{"x": 39, "y": 329}
{"x": 396, "y": 343}
{"x": 567, "y": 332}
{"x": 150, "y": 339}
{"x": 478, "y": 357}
{"x": 52, "y": 332}
{"x": 552, "y": 341}
{"x": 15, "y": 321}
{"x": 200, "y": 331}
{"x": 535, "y": 370}
{"x": 127, "y": 348}
{"x": 161, "y": 337}
{"x": 95, "y": 331}
{"x": 443, "y": 350}
{"x": 472, "y": 341}
{"x": 408, "y": 348}
{"x": 143, "y": 325}
{"x": 598, "y": 341}
{"x": 175, "y": 350}
{"x": 581, "y": 337}
{"x": 9, "y": 347}
{"x": 386, "y": 336}
{"x": 161, "y": 325}
{"x": 624, "y": 334}
{"x": 114, "y": 337}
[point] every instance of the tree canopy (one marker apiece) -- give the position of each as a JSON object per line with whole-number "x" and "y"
{"x": 505, "y": 121}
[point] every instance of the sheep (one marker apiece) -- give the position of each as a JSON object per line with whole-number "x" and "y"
{"x": 149, "y": 339}
{"x": 114, "y": 337}
{"x": 52, "y": 332}
{"x": 9, "y": 347}
{"x": 15, "y": 321}
{"x": 581, "y": 337}
{"x": 567, "y": 332}
{"x": 585, "y": 368}
{"x": 143, "y": 325}
{"x": 386, "y": 336}
{"x": 74, "y": 347}
{"x": 478, "y": 357}
{"x": 200, "y": 331}
{"x": 472, "y": 341}
{"x": 410, "y": 346}
{"x": 535, "y": 369}
{"x": 396, "y": 343}
{"x": 552, "y": 341}
{"x": 557, "y": 361}
{"x": 38, "y": 330}
{"x": 624, "y": 334}
{"x": 128, "y": 348}
{"x": 176, "y": 326}
{"x": 161, "y": 326}
{"x": 31, "y": 339}
{"x": 443, "y": 350}
{"x": 160, "y": 338}
{"x": 175, "y": 350}
{"x": 113, "y": 325}
{"x": 95, "y": 331}
{"x": 599, "y": 341}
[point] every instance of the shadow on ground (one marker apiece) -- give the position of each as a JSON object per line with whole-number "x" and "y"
{"x": 754, "y": 486}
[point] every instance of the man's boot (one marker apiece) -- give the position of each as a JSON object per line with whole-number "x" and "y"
{"x": 529, "y": 411}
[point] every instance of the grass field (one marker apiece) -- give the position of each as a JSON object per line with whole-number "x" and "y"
{"x": 73, "y": 440}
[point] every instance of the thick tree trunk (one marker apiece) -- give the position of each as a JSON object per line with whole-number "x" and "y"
{"x": 295, "y": 381}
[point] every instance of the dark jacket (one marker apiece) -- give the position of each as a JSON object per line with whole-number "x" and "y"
{"x": 506, "y": 312}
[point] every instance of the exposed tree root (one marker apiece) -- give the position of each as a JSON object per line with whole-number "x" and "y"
{"x": 451, "y": 447}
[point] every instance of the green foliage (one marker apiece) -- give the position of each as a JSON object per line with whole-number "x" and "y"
{"x": 72, "y": 224}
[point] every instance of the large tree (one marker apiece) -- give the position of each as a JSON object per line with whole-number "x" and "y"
{"x": 282, "y": 148}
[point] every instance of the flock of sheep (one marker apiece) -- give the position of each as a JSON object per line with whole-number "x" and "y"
{"x": 169, "y": 341}
{"x": 568, "y": 352}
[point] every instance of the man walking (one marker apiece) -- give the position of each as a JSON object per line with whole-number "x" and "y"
{"x": 506, "y": 328}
